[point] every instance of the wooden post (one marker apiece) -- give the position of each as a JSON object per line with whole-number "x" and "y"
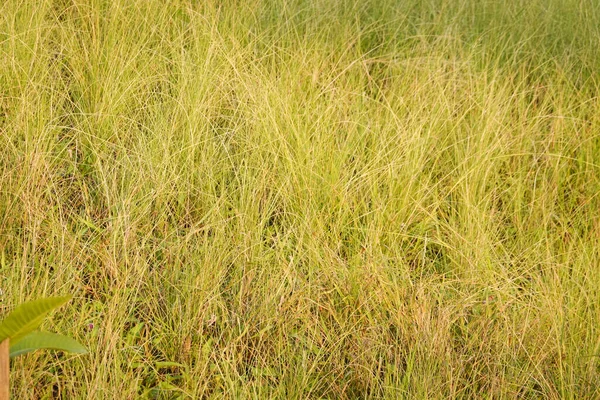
{"x": 4, "y": 370}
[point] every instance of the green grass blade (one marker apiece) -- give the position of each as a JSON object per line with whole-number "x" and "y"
{"x": 27, "y": 317}
{"x": 46, "y": 340}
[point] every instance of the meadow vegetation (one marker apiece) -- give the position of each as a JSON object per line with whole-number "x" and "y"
{"x": 304, "y": 198}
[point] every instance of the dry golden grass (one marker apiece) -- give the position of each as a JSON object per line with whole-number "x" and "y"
{"x": 304, "y": 198}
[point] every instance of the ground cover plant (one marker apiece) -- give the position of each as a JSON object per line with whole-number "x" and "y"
{"x": 19, "y": 335}
{"x": 304, "y": 198}
{"x": 20, "y": 329}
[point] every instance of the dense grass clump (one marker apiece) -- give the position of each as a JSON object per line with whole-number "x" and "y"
{"x": 305, "y": 198}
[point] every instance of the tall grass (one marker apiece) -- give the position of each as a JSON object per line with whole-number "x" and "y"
{"x": 305, "y": 198}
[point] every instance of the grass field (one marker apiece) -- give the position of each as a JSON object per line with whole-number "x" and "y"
{"x": 303, "y": 199}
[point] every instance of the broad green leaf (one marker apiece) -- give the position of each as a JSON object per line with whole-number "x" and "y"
{"x": 46, "y": 340}
{"x": 28, "y": 316}
{"x": 168, "y": 364}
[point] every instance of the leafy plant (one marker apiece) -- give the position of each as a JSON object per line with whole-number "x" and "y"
{"x": 21, "y": 325}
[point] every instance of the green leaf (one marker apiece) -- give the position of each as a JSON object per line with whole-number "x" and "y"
{"x": 28, "y": 316}
{"x": 46, "y": 340}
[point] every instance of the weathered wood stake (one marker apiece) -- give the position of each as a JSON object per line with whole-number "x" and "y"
{"x": 4, "y": 370}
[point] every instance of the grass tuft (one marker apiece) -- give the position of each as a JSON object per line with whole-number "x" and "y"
{"x": 305, "y": 199}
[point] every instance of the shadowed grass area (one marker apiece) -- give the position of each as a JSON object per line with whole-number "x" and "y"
{"x": 305, "y": 198}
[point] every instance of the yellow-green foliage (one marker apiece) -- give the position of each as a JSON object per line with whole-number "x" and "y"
{"x": 304, "y": 198}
